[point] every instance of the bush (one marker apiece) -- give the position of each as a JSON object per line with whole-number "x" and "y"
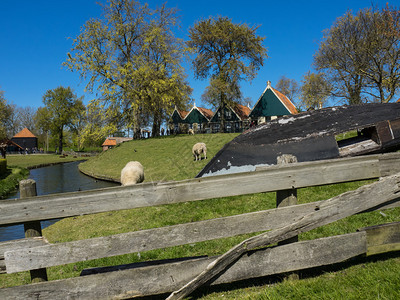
{"x": 3, "y": 166}
{"x": 10, "y": 182}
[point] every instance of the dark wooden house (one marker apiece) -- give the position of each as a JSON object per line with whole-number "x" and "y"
{"x": 177, "y": 123}
{"x": 270, "y": 105}
{"x": 198, "y": 119}
{"x": 236, "y": 118}
{"x": 25, "y": 140}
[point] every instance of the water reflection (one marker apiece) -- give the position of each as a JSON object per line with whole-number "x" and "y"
{"x": 59, "y": 178}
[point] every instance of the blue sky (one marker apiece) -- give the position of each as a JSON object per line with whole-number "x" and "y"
{"x": 35, "y": 36}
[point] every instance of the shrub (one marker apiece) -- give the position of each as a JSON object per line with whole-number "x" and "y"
{"x": 3, "y": 166}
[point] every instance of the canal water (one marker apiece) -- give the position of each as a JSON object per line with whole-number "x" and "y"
{"x": 60, "y": 178}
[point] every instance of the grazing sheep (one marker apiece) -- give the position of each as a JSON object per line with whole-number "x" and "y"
{"x": 198, "y": 149}
{"x": 132, "y": 173}
{"x": 191, "y": 131}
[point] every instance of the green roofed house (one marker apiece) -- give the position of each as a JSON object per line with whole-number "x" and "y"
{"x": 236, "y": 118}
{"x": 177, "y": 122}
{"x": 270, "y": 105}
{"x": 198, "y": 118}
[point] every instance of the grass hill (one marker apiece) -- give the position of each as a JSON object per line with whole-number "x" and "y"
{"x": 163, "y": 158}
{"x": 170, "y": 158}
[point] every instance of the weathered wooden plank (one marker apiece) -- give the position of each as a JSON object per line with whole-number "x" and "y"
{"x": 18, "y": 244}
{"x": 157, "y": 279}
{"x": 389, "y": 163}
{"x": 21, "y": 243}
{"x": 41, "y": 256}
{"x": 331, "y": 210}
{"x": 383, "y": 238}
{"x": 150, "y": 194}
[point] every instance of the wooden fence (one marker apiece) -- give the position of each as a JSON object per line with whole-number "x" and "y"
{"x": 150, "y": 278}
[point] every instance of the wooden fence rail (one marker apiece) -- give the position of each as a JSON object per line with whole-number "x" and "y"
{"x": 150, "y": 194}
{"x": 30, "y": 254}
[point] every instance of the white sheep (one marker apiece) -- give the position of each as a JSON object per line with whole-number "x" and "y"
{"x": 132, "y": 173}
{"x": 191, "y": 131}
{"x": 198, "y": 149}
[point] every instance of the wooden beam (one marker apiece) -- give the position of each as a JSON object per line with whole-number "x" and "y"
{"x": 383, "y": 238}
{"x": 18, "y": 244}
{"x": 151, "y": 194}
{"x": 157, "y": 278}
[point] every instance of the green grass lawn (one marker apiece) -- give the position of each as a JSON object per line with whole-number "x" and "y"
{"x": 170, "y": 158}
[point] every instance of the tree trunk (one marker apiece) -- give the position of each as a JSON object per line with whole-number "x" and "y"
{"x": 222, "y": 119}
{"x": 156, "y": 124}
{"x": 60, "y": 139}
{"x": 136, "y": 125}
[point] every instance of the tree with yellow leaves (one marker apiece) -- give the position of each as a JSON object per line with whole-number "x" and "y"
{"x": 133, "y": 58}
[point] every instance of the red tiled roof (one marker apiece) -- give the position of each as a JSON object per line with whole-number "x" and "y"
{"x": 242, "y": 111}
{"x": 110, "y": 142}
{"x": 289, "y": 105}
{"x": 206, "y": 112}
{"x": 182, "y": 113}
{"x": 24, "y": 133}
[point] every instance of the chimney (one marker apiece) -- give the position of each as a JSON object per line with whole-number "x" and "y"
{"x": 269, "y": 83}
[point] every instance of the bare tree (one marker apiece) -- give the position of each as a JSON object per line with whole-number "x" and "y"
{"x": 26, "y": 117}
{"x": 289, "y": 87}
{"x": 360, "y": 55}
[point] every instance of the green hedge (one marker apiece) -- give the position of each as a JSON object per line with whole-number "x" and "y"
{"x": 3, "y": 166}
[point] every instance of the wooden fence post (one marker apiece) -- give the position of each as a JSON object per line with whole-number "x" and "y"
{"x": 27, "y": 188}
{"x": 286, "y": 198}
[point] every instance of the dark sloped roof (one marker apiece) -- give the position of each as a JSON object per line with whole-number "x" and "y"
{"x": 311, "y": 136}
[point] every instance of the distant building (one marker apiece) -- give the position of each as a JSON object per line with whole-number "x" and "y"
{"x": 236, "y": 118}
{"x": 198, "y": 118}
{"x": 25, "y": 140}
{"x": 111, "y": 142}
{"x": 177, "y": 123}
{"x": 270, "y": 105}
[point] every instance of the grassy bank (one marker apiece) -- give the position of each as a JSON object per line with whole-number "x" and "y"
{"x": 164, "y": 158}
{"x": 170, "y": 158}
{"x": 37, "y": 160}
{"x": 18, "y": 168}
